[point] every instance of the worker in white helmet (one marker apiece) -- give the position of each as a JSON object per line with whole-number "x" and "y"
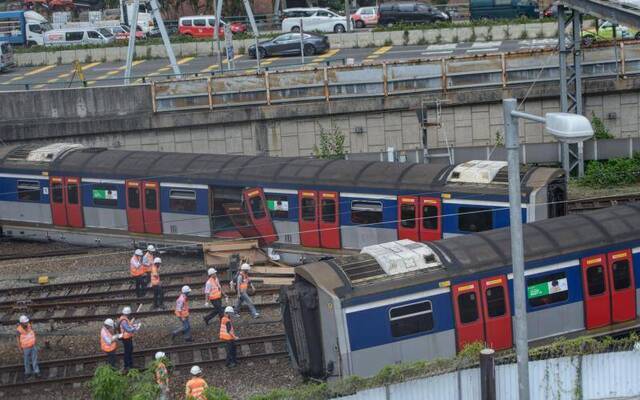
{"x": 27, "y": 345}
{"x": 128, "y": 328}
{"x": 147, "y": 262}
{"x": 196, "y": 385}
{"x": 182, "y": 312}
{"x": 213, "y": 296}
{"x": 228, "y": 335}
{"x": 158, "y": 297}
{"x": 243, "y": 283}
{"x": 136, "y": 270}
{"x": 108, "y": 342}
{"x": 162, "y": 376}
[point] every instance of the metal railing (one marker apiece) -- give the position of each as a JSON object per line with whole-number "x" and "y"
{"x": 387, "y": 79}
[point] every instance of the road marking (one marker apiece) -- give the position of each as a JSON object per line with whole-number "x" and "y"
{"x": 441, "y": 47}
{"x": 482, "y": 45}
{"x": 114, "y": 72}
{"x": 323, "y": 57}
{"x": 378, "y": 52}
{"x": 67, "y": 74}
{"x": 224, "y": 61}
{"x": 433, "y": 53}
{"x": 482, "y": 50}
{"x": 269, "y": 61}
{"x": 33, "y": 72}
{"x": 168, "y": 67}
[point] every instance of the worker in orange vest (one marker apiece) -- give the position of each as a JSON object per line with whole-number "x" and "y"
{"x": 108, "y": 342}
{"x": 158, "y": 298}
{"x": 182, "y": 312}
{"x": 128, "y": 328}
{"x": 243, "y": 284}
{"x": 27, "y": 344}
{"x": 162, "y": 376}
{"x": 196, "y": 385}
{"x": 147, "y": 261}
{"x": 228, "y": 335}
{"x": 136, "y": 270}
{"x": 213, "y": 296}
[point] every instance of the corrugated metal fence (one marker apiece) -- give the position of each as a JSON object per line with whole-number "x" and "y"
{"x": 387, "y": 79}
{"x": 589, "y": 377}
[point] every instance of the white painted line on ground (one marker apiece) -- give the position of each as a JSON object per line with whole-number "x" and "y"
{"x": 437, "y": 47}
{"x": 433, "y": 53}
{"x": 482, "y": 45}
{"x": 482, "y": 50}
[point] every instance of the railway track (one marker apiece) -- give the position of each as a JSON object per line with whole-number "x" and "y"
{"x": 580, "y": 206}
{"x": 78, "y": 369}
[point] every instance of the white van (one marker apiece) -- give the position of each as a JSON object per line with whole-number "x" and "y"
{"x": 6, "y": 57}
{"x": 78, "y": 36}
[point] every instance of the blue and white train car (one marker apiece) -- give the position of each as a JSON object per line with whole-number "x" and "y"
{"x": 407, "y": 301}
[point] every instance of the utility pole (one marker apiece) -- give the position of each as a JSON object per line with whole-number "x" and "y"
{"x": 254, "y": 28}
{"x": 216, "y": 29}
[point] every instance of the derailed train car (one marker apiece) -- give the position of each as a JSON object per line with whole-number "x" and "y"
{"x": 405, "y": 301}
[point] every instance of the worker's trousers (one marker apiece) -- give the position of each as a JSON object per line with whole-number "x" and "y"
{"x": 128, "y": 352}
{"x": 31, "y": 361}
{"x": 243, "y": 297}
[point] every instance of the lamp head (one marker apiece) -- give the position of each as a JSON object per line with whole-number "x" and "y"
{"x": 567, "y": 127}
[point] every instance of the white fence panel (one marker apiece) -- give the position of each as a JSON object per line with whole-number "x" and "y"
{"x": 441, "y": 387}
{"x": 610, "y": 375}
{"x": 470, "y": 383}
{"x": 554, "y": 379}
{"x": 369, "y": 394}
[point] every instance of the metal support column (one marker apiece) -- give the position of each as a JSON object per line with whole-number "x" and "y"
{"x": 254, "y": 28}
{"x": 155, "y": 10}
{"x": 131, "y": 48}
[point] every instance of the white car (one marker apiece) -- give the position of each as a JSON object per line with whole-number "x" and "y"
{"x": 313, "y": 19}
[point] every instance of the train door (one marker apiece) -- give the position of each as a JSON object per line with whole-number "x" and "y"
{"x": 73, "y": 203}
{"x": 135, "y": 219}
{"x": 58, "y": 207}
{"x": 151, "y": 207}
{"x": 408, "y": 218}
{"x": 468, "y": 316}
{"x": 308, "y": 218}
{"x": 623, "y": 292}
{"x": 597, "y": 300}
{"x": 329, "y": 220}
{"x": 430, "y": 215}
{"x": 257, "y": 209}
{"x": 419, "y": 218}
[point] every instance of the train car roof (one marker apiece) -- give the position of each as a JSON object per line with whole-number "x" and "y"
{"x": 365, "y": 274}
{"x": 474, "y": 176}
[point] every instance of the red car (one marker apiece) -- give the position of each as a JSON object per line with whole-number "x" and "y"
{"x": 203, "y": 25}
{"x": 365, "y": 16}
{"x": 121, "y": 32}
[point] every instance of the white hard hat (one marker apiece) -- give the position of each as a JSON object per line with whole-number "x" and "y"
{"x": 126, "y": 310}
{"x": 245, "y": 267}
{"x": 159, "y": 355}
{"x": 109, "y": 322}
{"x": 138, "y": 252}
{"x": 24, "y": 319}
{"x": 186, "y": 289}
{"x": 228, "y": 310}
{"x": 211, "y": 271}
{"x": 195, "y": 370}
{"x": 151, "y": 248}
{"x": 157, "y": 260}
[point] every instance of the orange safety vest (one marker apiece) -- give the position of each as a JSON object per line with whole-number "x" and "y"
{"x": 184, "y": 313}
{"x": 125, "y": 334}
{"x": 149, "y": 258}
{"x": 162, "y": 375}
{"x": 155, "y": 276}
{"x": 196, "y": 387}
{"x": 27, "y": 337}
{"x": 215, "y": 292}
{"x": 135, "y": 267}
{"x": 244, "y": 283}
{"x": 104, "y": 335}
{"x": 224, "y": 334}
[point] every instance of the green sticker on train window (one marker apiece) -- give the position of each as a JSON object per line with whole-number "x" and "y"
{"x": 547, "y": 288}
{"x": 278, "y": 205}
{"x": 102, "y": 194}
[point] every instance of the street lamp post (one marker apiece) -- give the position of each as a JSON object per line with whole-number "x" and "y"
{"x": 567, "y": 128}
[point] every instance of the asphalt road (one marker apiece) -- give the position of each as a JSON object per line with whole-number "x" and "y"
{"x": 112, "y": 73}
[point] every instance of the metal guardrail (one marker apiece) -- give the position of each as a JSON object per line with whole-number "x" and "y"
{"x": 388, "y": 79}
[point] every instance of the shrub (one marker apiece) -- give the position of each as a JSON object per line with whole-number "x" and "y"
{"x": 214, "y": 393}
{"x": 600, "y": 131}
{"x": 614, "y": 172}
{"x": 108, "y": 384}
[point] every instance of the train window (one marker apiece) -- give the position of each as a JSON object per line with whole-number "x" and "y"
{"x": 430, "y": 217}
{"x": 468, "y": 307}
{"x": 595, "y": 280}
{"x": 411, "y": 319}
{"x": 56, "y": 192}
{"x": 278, "y": 206}
{"x": 150, "y": 199}
{"x": 408, "y": 215}
{"x": 328, "y": 207}
{"x": 621, "y": 274}
{"x": 496, "y": 305}
{"x": 133, "y": 197}
{"x": 366, "y": 212}
{"x": 72, "y": 193}
{"x": 308, "y": 209}
{"x": 547, "y": 289}
{"x": 28, "y": 190}
{"x": 256, "y": 207}
{"x": 105, "y": 195}
{"x": 475, "y": 219}
{"x": 182, "y": 200}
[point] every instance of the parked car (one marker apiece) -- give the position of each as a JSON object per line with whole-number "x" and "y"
{"x": 410, "y": 12}
{"x": 365, "y": 16}
{"x": 78, "y": 35}
{"x": 298, "y": 12}
{"x": 314, "y": 19}
{"x": 121, "y": 32}
{"x": 289, "y": 44}
{"x": 203, "y": 25}
{"x": 6, "y": 57}
{"x": 494, "y": 9}
{"x": 605, "y": 32}
{"x": 23, "y": 28}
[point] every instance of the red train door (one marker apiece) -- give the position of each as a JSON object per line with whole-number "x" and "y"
{"x": 151, "y": 207}
{"x": 329, "y": 220}
{"x": 496, "y": 311}
{"x": 623, "y": 288}
{"x": 135, "y": 220}
{"x": 408, "y": 218}
{"x": 58, "y": 208}
{"x": 430, "y": 214}
{"x": 468, "y": 316}
{"x": 257, "y": 207}
{"x": 597, "y": 300}
{"x": 308, "y": 218}
{"x": 73, "y": 203}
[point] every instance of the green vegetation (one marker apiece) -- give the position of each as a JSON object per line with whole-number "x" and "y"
{"x": 614, "y": 172}
{"x": 464, "y": 24}
{"x": 331, "y": 145}
{"x": 599, "y": 130}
